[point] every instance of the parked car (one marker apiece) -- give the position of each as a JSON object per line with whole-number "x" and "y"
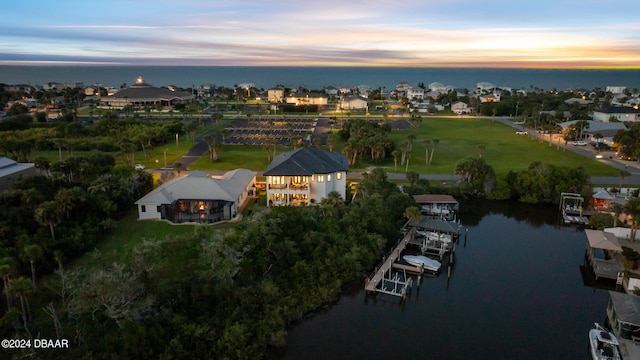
{"x": 580, "y": 143}
{"x": 521, "y": 133}
{"x": 138, "y": 167}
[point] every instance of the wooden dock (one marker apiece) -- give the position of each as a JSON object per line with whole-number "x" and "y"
{"x": 386, "y": 278}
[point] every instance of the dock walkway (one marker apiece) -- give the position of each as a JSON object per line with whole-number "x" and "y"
{"x": 384, "y": 273}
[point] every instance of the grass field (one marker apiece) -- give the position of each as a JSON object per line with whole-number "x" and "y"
{"x": 460, "y": 138}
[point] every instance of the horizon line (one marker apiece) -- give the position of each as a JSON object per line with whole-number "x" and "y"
{"x": 435, "y": 66}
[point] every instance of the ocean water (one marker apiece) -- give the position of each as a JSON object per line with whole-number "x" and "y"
{"x": 319, "y": 77}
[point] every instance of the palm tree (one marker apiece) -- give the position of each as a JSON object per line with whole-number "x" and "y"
{"x": 623, "y": 174}
{"x": 6, "y": 269}
{"x": 481, "y": 148}
{"x": 434, "y": 143}
{"x": 178, "y": 166}
{"x": 632, "y": 208}
{"x": 32, "y": 252}
{"x": 412, "y": 213}
{"x": 426, "y": 144}
{"x": 49, "y": 214}
{"x": 21, "y": 287}
{"x": 396, "y": 154}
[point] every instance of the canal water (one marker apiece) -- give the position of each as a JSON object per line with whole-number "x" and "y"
{"x": 516, "y": 291}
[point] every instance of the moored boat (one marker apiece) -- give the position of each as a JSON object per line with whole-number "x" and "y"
{"x": 603, "y": 343}
{"x": 422, "y": 261}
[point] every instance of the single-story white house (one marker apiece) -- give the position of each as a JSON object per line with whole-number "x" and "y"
{"x": 353, "y": 102}
{"x": 620, "y": 113}
{"x": 197, "y": 197}
{"x": 307, "y": 99}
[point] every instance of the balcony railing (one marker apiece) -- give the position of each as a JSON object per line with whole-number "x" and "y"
{"x": 295, "y": 187}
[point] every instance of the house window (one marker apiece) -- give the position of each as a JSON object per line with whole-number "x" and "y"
{"x": 159, "y": 208}
{"x": 143, "y": 208}
{"x": 339, "y": 176}
{"x": 277, "y": 180}
{"x": 328, "y": 177}
{"x": 313, "y": 178}
{"x": 320, "y": 178}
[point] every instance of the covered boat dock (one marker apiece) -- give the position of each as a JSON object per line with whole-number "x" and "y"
{"x": 623, "y": 313}
{"x": 611, "y": 266}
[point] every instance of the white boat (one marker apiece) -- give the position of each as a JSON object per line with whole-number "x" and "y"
{"x": 435, "y": 236}
{"x": 422, "y": 261}
{"x": 604, "y": 345}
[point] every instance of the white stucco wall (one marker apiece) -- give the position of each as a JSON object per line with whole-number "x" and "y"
{"x": 151, "y": 212}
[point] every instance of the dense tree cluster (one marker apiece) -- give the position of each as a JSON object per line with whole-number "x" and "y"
{"x": 235, "y": 295}
{"x": 366, "y": 139}
{"x": 109, "y": 134}
{"x": 67, "y": 208}
{"x": 539, "y": 184}
{"x": 629, "y": 142}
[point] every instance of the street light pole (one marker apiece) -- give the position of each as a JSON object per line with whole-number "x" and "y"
{"x": 165, "y": 159}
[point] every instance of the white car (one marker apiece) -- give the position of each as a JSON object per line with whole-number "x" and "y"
{"x": 138, "y": 167}
{"x": 521, "y": 133}
{"x": 579, "y": 143}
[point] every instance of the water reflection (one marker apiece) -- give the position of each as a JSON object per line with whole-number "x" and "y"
{"x": 516, "y": 292}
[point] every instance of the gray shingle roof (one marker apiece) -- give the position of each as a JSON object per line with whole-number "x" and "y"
{"x": 627, "y": 307}
{"x": 307, "y": 161}
{"x": 150, "y": 92}
{"x": 198, "y": 185}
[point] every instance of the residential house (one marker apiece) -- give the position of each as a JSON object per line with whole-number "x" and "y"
{"x": 308, "y": 98}
{"x": 11, "y": 171}
{"x": 199, "y": 198}
{"x": 616, "y": 89}
{"x": 493, "y": 97}
{"x": 354, "y": 102}
{"x": 485, "y": 86}
{"x": 460, "y": 108}
{"x": 275, "y": 95}
{"x": 305, "y": 176}
{"x": 402, "y": 86}
{"x": 331, "y": 91}
{"x": 606, "y": 129}
{"x": 618, "y": 113}
{"x": 415, "y": 93}
{"x": 205, "y": 91}
{"x": 582, "y": 102}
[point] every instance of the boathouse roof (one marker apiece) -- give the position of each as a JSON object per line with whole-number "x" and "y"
{"x": 435, "y": 225}
{"x": 627, "y": 307}
{"x": 599, "y": 239}
{"x": 434, "y": 199}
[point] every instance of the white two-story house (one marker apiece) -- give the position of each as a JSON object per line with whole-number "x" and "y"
{"x": 305, "y": 176}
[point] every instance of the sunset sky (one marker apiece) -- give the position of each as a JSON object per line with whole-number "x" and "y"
{"x": 454, "y": 33}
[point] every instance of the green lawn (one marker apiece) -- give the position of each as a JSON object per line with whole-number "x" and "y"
{"x": 237, "y": 156}
{"x": 504, "y": 150}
